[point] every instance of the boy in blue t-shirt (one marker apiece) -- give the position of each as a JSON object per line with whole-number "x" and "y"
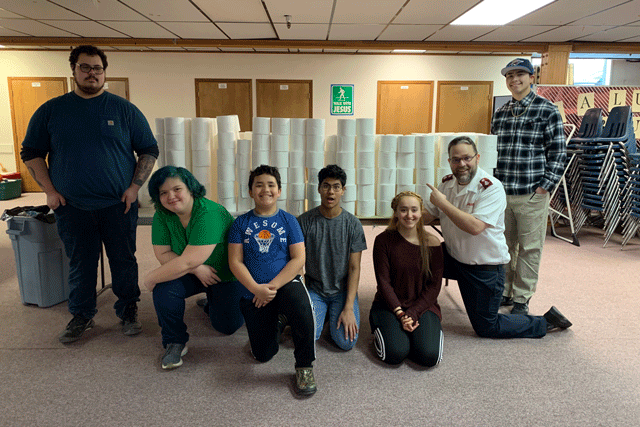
{"x": 266, "y": 254}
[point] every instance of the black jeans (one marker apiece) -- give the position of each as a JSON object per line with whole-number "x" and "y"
{"x": 291, "y": 300}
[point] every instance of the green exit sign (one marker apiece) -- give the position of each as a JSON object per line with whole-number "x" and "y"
{"x": 342, "y": 100}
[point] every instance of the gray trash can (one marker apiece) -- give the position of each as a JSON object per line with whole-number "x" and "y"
{"x": 41, "y": 262}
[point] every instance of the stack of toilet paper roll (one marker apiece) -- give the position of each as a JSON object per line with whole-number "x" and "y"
{"x": 366, "y": 166}
{"x": 226, "y": 156}
{"x": 260, "y": 143}
{"x": 159, "y": 135}
{"x": 387, "y": 174}
{"x": 425, "y": 161}
{"x": 243, "y": 169}
{"x": 488, "y": 149}
{"x": 314, "y": 158}
{"x": 201, "y": 142}
{"x": 175, "y": 141}
{"x": 346, "y": 159}
{"x": 406, "y": 161}
{"x": 295, "y": 179}
{"x": 279, "y": 154}
{"x": 442, "y": 145}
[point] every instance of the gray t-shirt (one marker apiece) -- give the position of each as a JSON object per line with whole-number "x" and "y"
{"x": 328, "y": 244}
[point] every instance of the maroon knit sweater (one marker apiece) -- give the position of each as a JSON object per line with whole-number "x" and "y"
{"x": 397, "y": 266}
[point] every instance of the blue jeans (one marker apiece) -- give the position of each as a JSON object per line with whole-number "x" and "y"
{"x": 83, "y": 233}
{"x": 168, "y": 299}
{"x": 334, "y": 304}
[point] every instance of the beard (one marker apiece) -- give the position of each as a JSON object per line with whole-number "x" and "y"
{"x": 89, "y": 90}
{"x": 465, "y": 176}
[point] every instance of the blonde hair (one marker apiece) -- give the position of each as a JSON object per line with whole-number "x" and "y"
{"x": 422, "y": 234}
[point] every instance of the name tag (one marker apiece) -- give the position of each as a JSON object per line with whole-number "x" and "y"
{"x": 110, "y": 122}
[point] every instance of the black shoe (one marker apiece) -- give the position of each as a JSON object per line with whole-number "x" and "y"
{"x": 555, "y": 319}
{"x": 75, "y": 328}
{"x": 506, "y": 301}
{"x": 520, "y": 308}
{"x": 130, "y": 324}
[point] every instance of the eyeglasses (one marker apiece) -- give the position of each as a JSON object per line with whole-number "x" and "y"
{"x": 86, "y": 68}
{"x": 458, "y": 160}
{"x": 334, "y": 187}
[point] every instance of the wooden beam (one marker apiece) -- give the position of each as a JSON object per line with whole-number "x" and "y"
{"x": 554, "y": 64}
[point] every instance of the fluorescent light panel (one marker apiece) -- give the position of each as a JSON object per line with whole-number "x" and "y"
{"x": 499, "y": 12}
{"x": 408, "y": 51}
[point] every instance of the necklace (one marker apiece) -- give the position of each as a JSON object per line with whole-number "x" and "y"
{"x": 514, "y": 114}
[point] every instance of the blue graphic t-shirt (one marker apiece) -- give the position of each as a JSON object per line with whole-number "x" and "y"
{"x": 265, "y": 242}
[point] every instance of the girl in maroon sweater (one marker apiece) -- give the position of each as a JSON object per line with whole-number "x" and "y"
{"x": 408, "y": 262}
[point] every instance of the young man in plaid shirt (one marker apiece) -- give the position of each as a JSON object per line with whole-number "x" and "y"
{"x": 531, "y": 159}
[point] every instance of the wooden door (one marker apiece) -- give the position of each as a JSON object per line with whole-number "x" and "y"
{"x": 284, "y": 98}
{"x": 464, "y": 106}
{"x": 225, "y": 97}
{"x": 404, "y": 107}
{"x": 116, "y": 85}
{"x": 26, "y": 94}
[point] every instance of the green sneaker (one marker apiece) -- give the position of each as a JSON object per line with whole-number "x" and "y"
{"x": 305, "y": 382}
{"x": 75, "y": 328}
{"x": 173, "y": 356}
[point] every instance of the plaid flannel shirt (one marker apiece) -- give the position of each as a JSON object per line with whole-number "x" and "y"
{"x": 531, "y": 145}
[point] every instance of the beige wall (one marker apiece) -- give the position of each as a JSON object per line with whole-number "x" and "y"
{"x": 162, "y": 84}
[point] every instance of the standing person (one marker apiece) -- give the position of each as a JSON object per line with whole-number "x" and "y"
{"x": 334, "y": 241}
{"x": 531, "y": 159}
{"x": 405, "y": 315}
{"x": 92, "y": 181}
{"x": 266, "y": 254}
{"x": 471, "y": 205}
{"x": 189, "y": 236}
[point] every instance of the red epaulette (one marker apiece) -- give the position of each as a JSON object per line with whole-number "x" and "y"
{"x": 486, "y": 183}
{"x": 447, "y": 177}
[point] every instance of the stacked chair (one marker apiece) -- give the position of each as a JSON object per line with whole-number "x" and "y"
{"x": 631, "y": 208}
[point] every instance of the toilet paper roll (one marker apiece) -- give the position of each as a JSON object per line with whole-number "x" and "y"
{"x": 488, "y": 160}
{"x": 174, "y": 125}
{"x": 259, "y": 157}
{"x": 228, "y": 123}
{"x": 351, "y": 175}
{"x": 387, "y": 160}
{"x": 346, "y": 143}
{"x": 284, "y": 187}
{"x": 441, "y": 173}
{"x": 297, "y": 190}
{"x": 386, "y": 191}
{"x": 160, "y": 125}
{"x": 243, "y": 146}
{"x": 297, "y": 126}
{"x": 243, "y": 189}
{"x": 280, "y": 126}
{"x": 244, "y": 204}
{"x": 487, "y": 142}
{"x": 366, "y": 208}
{"x": 175, "y": 141}
{"x": 314, "y": 127}
{"x": 200, "y": 158}
{"x": 279, "y": 142}
{"x": 279, "y": 159}
{"x": 226, "y": 139}
{"x": 200, "y": 141}
{"x": 349, "y": 206}
{"x": 313, "y": 196}
{"x": 226, "y": 156}
{"x": 228, "y": 203}
{"x": 201, "y": 125}
{"x": 226, "y": 173}
{"x": 365, "y": 127}
{"x": 350, "y": 193}
{"x": 407, "y": 144}
{"x": 243, "y": 161}
{"x": 226, "y": 189}
{"x": 331, "y": 143}
{"x": 389, "y": 143}
{"x": 366, "y": 159}
{"x": 315, "y": 142}
{"x": 366, "y": 176}
{"x": 176, "y": 158}
{"x": 423, "y": 191}
{"x": 406, "y": 160}
{"x": 346, "y": 159}
{"x": 329, "y": 157}
{"x": 426, "y": 143}
{"x": 425, "y": 159}
{"x": 366, "y": 192}
{"x": 387, "y": 176}
{"x": 296, "y": 159}
{"x": 260, "y": 142}
{"x": 405, "y": 187}
{"x": 347, "y": 127}
{"x": 296, "y": 175}
{"x": 442, "y": 147}
{"x": 296, "y": 142}
{"x": 245, "y": 135}
{"x": 314, "y": 159}
{"x": 383, "y": 208}
{"x": 312, "y": 174}
{"x": 424, "y": 176}
{"x": 261, "y": 125}
{"x": 366, "y": 142}
{"x": 295, "y": 207}
{"x": 404, "y": 176}
{"x": 202, "y": 173}
{"x": 160, "y": 140}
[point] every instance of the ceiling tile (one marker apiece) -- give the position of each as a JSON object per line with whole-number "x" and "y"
{"x": 167, "y": 10}
{"x": 141, "y": 30}
{"x": 426, "y": 12}
{"x": 33, "y": 28}
{"x": 85, "y": 28}
{"x": 565, "y": 33}
{"x": 370, "y": 12}
{"x": 194, "y": 30}
{"x": 111, "y": 10}
{"x": 618, "y": 15}
{"x": 355, "y": 32}
{"x": 513, "y": 33}
{"x": 316, "y": 12}
{"x": 612, "y": 35}
{"x": 562, "y": 12}
{"x": 236, "y": 11}
{"x": 37, "y": 9}
{"x": 247, "y": 30}
{"x": 9, "y": 15}
{"x": 408, "y": 32}
{"x": 302, "y": 31}
{"x": 461, "y": 33}
{"x": 6, "y": 32}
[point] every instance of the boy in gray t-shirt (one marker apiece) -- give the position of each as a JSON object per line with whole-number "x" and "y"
{"x": 334, "y": 241}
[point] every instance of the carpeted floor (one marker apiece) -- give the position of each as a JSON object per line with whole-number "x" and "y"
{"x": 585, "y": 376}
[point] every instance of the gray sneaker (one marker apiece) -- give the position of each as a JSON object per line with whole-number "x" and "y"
{"x": 130, "y": 324}
{"x": 75, "y": 328}
{"x": 173, "y": 356}
{"x": 305, "y": 381}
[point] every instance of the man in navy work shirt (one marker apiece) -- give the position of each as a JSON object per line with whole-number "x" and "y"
{"x": 91, "y": 180}
{"x": 531, "y": 159}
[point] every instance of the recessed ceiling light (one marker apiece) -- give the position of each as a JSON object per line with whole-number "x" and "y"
{"x": 498, "y": 12}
